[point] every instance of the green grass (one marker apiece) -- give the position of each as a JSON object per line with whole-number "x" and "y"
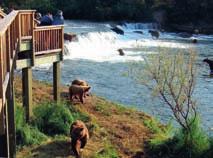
{"x": 194, "y": 143}
{"x": 77, "y": 115}
{"x": 177, "y": 143}
{"x": 107, "y": 152}
{"x": 49, "y": 119}
{"x": 161, "y": 134}
{"x": 52, "y": 119}
{"x": 25, "y": 133}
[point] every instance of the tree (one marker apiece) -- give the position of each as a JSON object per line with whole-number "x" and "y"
{"x": 172, "y": 78}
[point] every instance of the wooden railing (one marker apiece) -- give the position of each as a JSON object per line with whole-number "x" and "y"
{"x": 48, "y": 39}
{"x": 18, "y": 32}
{"x": 8, "y": 45}
{"x": 15, "y": 28}
{"x": 2, "y": 14}
{"x": 26, "y": 24}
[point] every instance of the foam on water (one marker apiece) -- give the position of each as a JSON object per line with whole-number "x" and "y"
{"x": 102, "y": 46}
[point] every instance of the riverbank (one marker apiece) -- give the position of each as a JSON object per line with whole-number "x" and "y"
{"x": 114, "y": 129}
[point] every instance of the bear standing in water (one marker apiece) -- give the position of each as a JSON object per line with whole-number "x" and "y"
{"x": 79, "y": 135}
{"x": 210, "y": 62}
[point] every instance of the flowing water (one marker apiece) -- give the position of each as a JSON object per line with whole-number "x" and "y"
{"x": 94, "y": 58}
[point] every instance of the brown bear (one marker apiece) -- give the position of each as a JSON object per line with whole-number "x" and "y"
{"x": 79, "y": 82}
{"x": 76, "y": 90}
{"x": 154, "y": 33}
{"x": 79, "y": 135}
{"x": 121, "y": 52}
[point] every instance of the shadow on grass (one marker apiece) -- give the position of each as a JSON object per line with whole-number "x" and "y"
{"x": 57, "y": 148}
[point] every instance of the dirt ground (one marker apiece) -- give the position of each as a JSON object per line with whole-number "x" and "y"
{"x": 121, "y": 127}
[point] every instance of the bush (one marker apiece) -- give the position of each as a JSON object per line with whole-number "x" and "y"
{"x": 53, "y": 119}
{"x": 161, "y": 134}
{"x": 194, "y": 143}
{"x": 182, "y": 145}
{"x": 26, "y": 134}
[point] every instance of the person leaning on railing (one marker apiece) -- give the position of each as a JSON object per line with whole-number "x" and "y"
{"x": 38, "y": 17}
{"x": 47, "y": 19}
{"x": 58, "y": 18}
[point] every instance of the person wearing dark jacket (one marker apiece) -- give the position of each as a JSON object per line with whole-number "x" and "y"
{"x": 58, "y": 19}
{"x": 46, "y": 20}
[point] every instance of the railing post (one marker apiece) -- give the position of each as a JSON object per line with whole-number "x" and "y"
{"x": 3, "y": 137}
{"x": 33, "y": 49}
{"x": 11, "y": 117}
{"x": 27, "y": 91}
{"x": 56, "y": 81}
{"x": 62, "y": 44}
{"x": 19, "y": 31}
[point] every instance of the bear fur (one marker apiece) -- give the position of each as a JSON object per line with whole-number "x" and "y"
{"x": 79, "y": 135}
{"x": 121, "y": 52}
{"x": 154, "y": 33}
{"x": 80, "y": 83}
{"x": 76, "y": 90}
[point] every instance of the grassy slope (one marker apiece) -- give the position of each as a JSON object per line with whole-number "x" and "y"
{"x": 112, "y": 127}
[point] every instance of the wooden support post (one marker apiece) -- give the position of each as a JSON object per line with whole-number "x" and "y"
{"x": 11, "y": 118}
{"x": 3, "y": 138}
{"x": 27, "y": 91}
{"x": 7, "y": 130}
{"x": 56, "y": 81}
{"x": 3, "y": 146}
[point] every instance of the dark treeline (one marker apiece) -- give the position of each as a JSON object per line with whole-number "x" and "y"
{"x": 178, "y": 11}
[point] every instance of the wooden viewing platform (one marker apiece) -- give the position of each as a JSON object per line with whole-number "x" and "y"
{"x": 23, "y": 45}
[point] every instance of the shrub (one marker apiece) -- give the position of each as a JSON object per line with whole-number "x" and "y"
{"x": 53, "y": 119}
{"x": 182, "y": 145}
{"x": 161, "y": 134}
{"x": 195, "y": 142}
{"x": 26, "y": 134}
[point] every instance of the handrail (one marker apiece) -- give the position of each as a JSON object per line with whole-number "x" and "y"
{"x": 2, "y": 14}
{"x": 4, "y": 23}
{"x": 48, "y": 27}
{"x": 48, "y": 39}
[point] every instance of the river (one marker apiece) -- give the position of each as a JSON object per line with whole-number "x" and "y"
{"x": 94, "y": 58}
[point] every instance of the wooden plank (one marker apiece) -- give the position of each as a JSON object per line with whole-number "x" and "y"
{"x": 26, "y": 38}
{"x": 27, "y": 91}
{"x": 25, "y": 45}
{"x": 2, "y": 123}
{"x": 26, "y": 11}
{"x": 3, "y": 146}
{"x": 2, "y": 114}
{"x": 11, "y": 117}
{"x": 51, "y": 27}
{"x": 56, "y": 81}
{"x": 6, "y": 22}
{"x": 62, "y": 45}
{"x": 5, "y": 84}
{"x": 7, "y": 130}
{"x": 39, "y": 60}
{"x": 48, "y": 51}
